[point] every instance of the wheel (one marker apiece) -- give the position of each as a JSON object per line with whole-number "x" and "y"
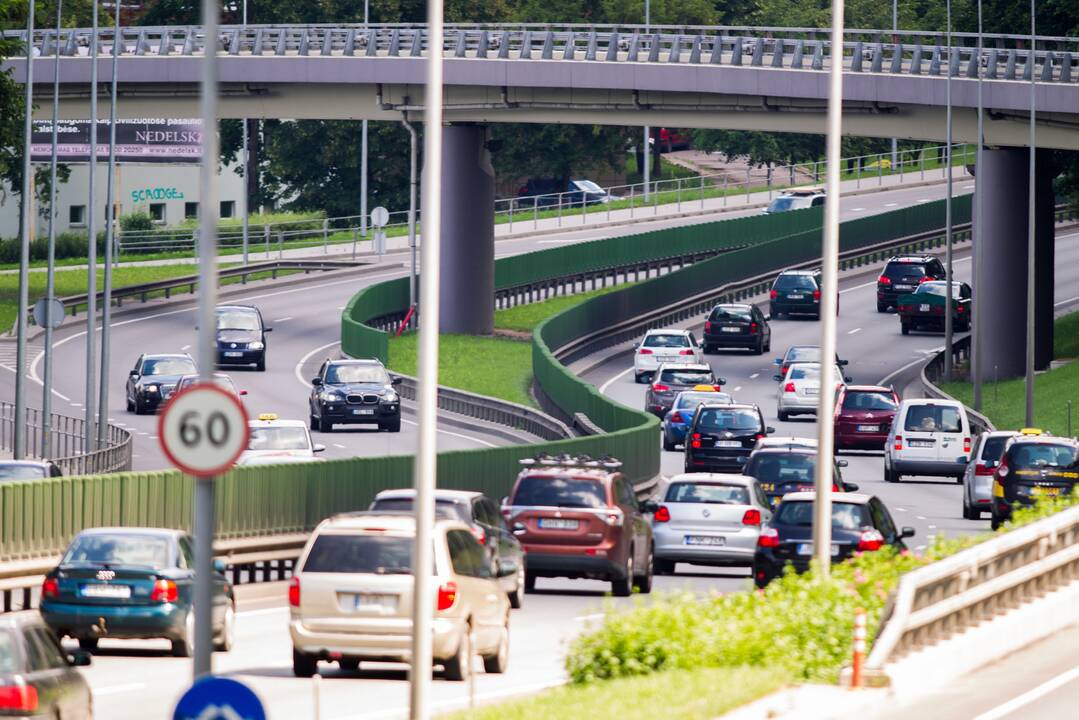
{"x": 969, "y": 513}
{"x": 227, "y": 638}
{"x": 349, "y": 664}
{"x": 303, "y": 665}
{"x": 959, "y": 479}
{"x": 995, "y": 523}
{"x": 312, "y": 423}
{"x": 904, "y": 328}
{"x": 759, "y": 350}
{"x": 184, "y": 646}
{"x": 624, "y": 586}
{"x": 130, "y": 405}
{"x": 459, "y": 666}
{"x": 324, "y": 426}
{"x": 662, "y": 567}
{"x": 517, "y": 597}
{"x": 890, "y": 476}
{"x": 139, "y": 410}
{"x": 638, "y": 378}
{"x": 667, "y": 444}
{"x": 644, "y": 582}
{"x": 783, "y": 416}
{"x": 496, "y": 664}
{"x": 768, "y": 345}
{"x": 88, "y": 644}
{"x": 261, "y": 364}
{"x": 882, "y": 308}
{"x": 392, "y": 426}
{"x": 530, "y": 582}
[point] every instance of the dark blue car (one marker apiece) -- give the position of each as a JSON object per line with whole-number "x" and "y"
{"x": 128, "y": 583}
{"x": 679, "y": 417}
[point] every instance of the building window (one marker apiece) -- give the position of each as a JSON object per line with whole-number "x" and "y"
{"x": 76, "y": 215}
{"x": 228, "y": 208}
{"x": 157, "y": 212}
{"x": 191, "y": 210}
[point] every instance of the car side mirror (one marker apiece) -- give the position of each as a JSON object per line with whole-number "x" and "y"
{"x": 769, "y": 430}
{"x": 266, "y": 330}
{"x": 316, "y": 381}
{"x": 842, "y": 363}
{"x": 962, "y": 459}
{"x": 777, "y": 361}
{"x": 318, "y": 447}
{"x": 850, "y": 487}
{"x": 906, "y": 532}
{"x": 243, "y": 392}
{"x": 847, "y": 378}
{"x": 777, "y": 378}
{"x": 79, "y": 658}
{"x": 133, "y": 373}
{"x": 396, "y": 381}
{"x": 721, "y": 381}
{"x": 649, "y": 506}
{"x": 841, "y": 463}
{"x": 219, "y": 566}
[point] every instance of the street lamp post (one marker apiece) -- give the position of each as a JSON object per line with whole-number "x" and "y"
{"x": 1031, "y": 215}
{"x": 91, "y": 249}
{"x": 895, "y": 32}
{"x": 948, "y": 321}
{"x": 244, "y": 208}
{"x": 24, "y": 245}
{"x": 50, "y": 279}
{"x": 110, "y": 233}
{"x": 979, "y": 252}
{"x": 646, "y": 154}
{"x": 363, "y": 147}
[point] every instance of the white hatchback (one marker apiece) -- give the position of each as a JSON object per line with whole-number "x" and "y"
{"x": 273, "y": 441}
{"x": 665, "y": 346}
{"x": 928, "y": 437}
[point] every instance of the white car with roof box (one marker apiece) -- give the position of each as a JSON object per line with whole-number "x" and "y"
{"x": 273, "y": 441}
{"x": 928, "y": 437}
{"x": 665, "y": 346}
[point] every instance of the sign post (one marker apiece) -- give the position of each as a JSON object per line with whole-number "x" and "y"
{"x": 218, "y": 698}
{"x": 379, "y": 217}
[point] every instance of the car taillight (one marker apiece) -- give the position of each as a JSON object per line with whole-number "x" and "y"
{"x": 982, "y": 470}
{"x": 835, "y": 486}
{"x": 898, "y": 442}
{"x": 870, "y": 540}
{"x": 687, "y": 351}
{"x": 769, "y": 538}
{"x": 966, "y": 445}
{"x": 50, "y": 588}
{"x": 959, "y": 309}
{"x": 884, "y": 280}
{"x": 707, "y": 325}
{"x": 645, "y": 351}
{"x": 164, "y": 592}
{"x": 927, "y": 278}
{"x": 479, "y": 534}
{"x": 773, "y": 294}
{"x": 447, "y": 595}
{"x": 21, "y": 698}
{"x": 696, "y": 442}
{"x": 294, "y": 592}
{"x": 662, "y": 514}
{"x": 677, "y": 417}
{"x": 752, "y": 517}
{"x": 789, "y": 387}
{"x": 1002, "y": 469}
{"x": 752, "y": 328}
{"x": 660, "y": 388}
{"x": 816, "y": 294}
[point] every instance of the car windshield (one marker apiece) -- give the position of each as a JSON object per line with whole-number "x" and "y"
{"x": 803, "y": 354}
{"x": 868, "y": 400}
{"x": 782, "y": 467}
{"x": 781, "y": 204}
{"x": 734, "y": 419}
{"x": 904, "y": 269}
{"x": 588, "y": 186}
{"x": 711, "y": 493}
{"x": 125, "y": 549}
{"x": 373, "y": 554}
{"x": 795, "y": 282}
{"x": 404, "y": 505}
{"x": 278, "y": 438}
{"x": 374, "y": 374}
{"x": 168, "y": 366}
{"x": 721, "y": 314}
{"x": 693, "y": 399}
{"x": 560, "y": 492}
{"x": 994, "y": 448}
{"x": 845, "y": 516}
{"x": 666, "y": 341}
{"x": 1028, "y": 455}
{"x": 17, "y": 471}
{"x": 238, "y": 320}
{"x": 687, "y": 377}
{"x": 932, "y": 418}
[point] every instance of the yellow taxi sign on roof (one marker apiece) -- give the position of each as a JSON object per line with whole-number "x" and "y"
{"x": 705, "y": 388}
{"x": 267, "y": 416}
{"x": 1030, "y": 431}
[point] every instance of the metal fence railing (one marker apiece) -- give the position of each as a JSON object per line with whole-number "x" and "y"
{"x": 67, "y": 439}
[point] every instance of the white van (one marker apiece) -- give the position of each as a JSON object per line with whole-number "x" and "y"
{"x": 928, "y": 437}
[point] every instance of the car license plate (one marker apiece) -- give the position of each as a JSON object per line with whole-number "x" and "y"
{"x": 812, "y": 391}
{"x": 367, "y": 601}
{"x": 115, "y": 592}
{"x": 794, "y": 296}
{"x": 728, "y": 443}
{"x": 807, "y": 549}
{"x": 1040, "y": 491}
{"x": 363, "y": 411}
{"x": 732, "y": 329}
{"x": 768, "y": 487}
{"x": 921, "y": 443}
{"x": 233, "y": 353}
{"x": 923, "y": 308}
{"x": 558, "y": 524}
{"x": 705, "y": 540}
{"x": 868, "y": 428}
{"x": 903, "y": 287}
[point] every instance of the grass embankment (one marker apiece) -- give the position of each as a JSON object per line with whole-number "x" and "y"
{"x": 701, "y": 694}
{"x": 496, "y": 366}
{"x": 1005, "y": 402}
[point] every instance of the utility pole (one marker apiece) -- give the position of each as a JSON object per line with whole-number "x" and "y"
{"x": 979, "y": 196}
{"x": 24, "y": 245}
{"x": 1031, "y": 201}
{"x": 246, "y": 164}
{"x": 50, "y": 270}
{"x": 646, "y": 154}
{"x": 110, "y": 234}
{"x": 91, "y": 250}
{"x": 949, "y": 324}
{"x": 412, "y": 182}
{"x": 895, "y": 39}
{"x": 363, "y": 147}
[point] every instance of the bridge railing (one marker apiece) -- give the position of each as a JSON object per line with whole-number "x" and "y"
{"x": 67, "y": 442}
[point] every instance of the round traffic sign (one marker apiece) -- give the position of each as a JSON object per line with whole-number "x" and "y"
{"x": 41, "y": 310}
{"x": 203, "y": 429}
{"x": 380, "y": 216}
{"x": 219, "y": 698}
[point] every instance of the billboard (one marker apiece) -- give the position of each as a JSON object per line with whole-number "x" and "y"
{"x": 166, "y": 140}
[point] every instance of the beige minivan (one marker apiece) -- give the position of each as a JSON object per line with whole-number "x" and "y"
{"x": 351, "y": 597}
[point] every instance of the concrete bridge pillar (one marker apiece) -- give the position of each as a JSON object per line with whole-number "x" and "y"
{"x": 468, "y": 235}
{"x": 1001, "y": 296}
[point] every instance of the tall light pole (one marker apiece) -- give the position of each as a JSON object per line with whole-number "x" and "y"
{"x": 412, "y": 181}
{"x": 363, "y": 148}
{"x": 646, "y": 154}
{"x": 895, "y": 33}
{"x": 948, "y": 321}
{"x": 110, "y": 234}
{"x": 979, "y": 253}
{"x": 24, "y": 244}
{"x": 1031, "y": 216}
{"x": 50, "y": 278}
{"x": 91, "y": 249}
{"x": 246, "y": 180}
{"x": 822, "y": 507}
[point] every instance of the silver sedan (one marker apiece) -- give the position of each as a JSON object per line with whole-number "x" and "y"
{"x": 799, "y": 390}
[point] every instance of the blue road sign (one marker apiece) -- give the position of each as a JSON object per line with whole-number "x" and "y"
{"x": 218, "y": 698}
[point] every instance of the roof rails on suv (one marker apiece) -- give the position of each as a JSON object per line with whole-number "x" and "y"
{"x": 572, "y": 461}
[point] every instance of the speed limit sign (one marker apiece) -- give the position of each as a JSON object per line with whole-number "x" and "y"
{"x": 203, "y": 429}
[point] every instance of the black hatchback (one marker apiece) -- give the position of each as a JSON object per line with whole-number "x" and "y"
{"x": 241, "y": 336}
{"x": 1032, "y": 468}
{"x": 721, "y": 437}
{"x": 795, "y": 292}
{"x": 37, "y": 676}
{"x": 737, "y": 326}
{"x": 790, "y": 468}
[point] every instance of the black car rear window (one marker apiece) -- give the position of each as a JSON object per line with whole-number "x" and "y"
{"x": 459, "y": 510}
{"x": 687, "y": 377}
{"x": 895, "y": 270}
{"x": 119, "y": 549}
{"x": 731, "y": 314}
{"x": 733, "y": 419}
{"x": 868, "y": 400}
{"x": 560, "y": 492}
{"x": 711, "y": 493}
{"x": 781, "y": 467}
{"x": 932, "y": 418}
{"x": 845, "y": 516}
{"x": 666, "y": 341}
{"x": 795, "y": 282}
{"x": 376, "y": 554}
{"x": 22, "y": 472}
{"x": 1034, "y": 455}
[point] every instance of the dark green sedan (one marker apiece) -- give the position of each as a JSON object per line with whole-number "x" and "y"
{"x": 923, "y": 309}
{"x": 130, "y": 582}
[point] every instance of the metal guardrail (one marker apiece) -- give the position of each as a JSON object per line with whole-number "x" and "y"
{"x": 68, "y": 439}
{"x": 1004, "y": 57}
{"x": 933, "y": 371}
{"x": 948, "y": 596}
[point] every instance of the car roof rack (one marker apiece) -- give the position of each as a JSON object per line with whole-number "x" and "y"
{"x": 565, "y": 460}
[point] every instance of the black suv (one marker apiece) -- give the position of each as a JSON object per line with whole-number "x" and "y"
{"x": 790, "y": 468}
{"x": 241, "y": 336}
{"x": 721, "y": 437}
{"x": 737, "y": 326}
{"x": 902, "y": 274}
{"x": 354, "y": 392}
{"x": 153, "y": 380}
{"x": 1033, "y": 467}
{"x": 796, "y": 292}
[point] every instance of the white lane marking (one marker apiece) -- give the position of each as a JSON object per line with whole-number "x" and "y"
{"x": 75, "y": 404}
{"x": 284, "y": 319}
{"x": 887, "y": 378}
{"x": 738, "y": 388}
{"x": 299, "y": 366}
{"x": 116, "y": 689}
{"x": 604, "y": 386}
{"x": 920, "y": 547}
{"x": 153, "y": 437}
{"x": 754, "y": 376}
{"x": 589, "y": 618}
{"x": 921, "y": 517}
{"x": 890, "y": 204}
{"x": 901, "y": 509}
{"x": 339, "y": 446}
{"x": 858, "y": 287}
{"x": 1066, "y": 302}
{"x": 932, "y": 527}
{"x": 924, "y": 200}
{"x": 857, "y": 209}
{"x": 185, "y": 348}
{"x": 1030, "y": 696}
{"x": 456, "y": 435}
{"x": 855, "y": 330}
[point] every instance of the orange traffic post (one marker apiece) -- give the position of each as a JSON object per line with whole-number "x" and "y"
{"x": 859, "y": 648}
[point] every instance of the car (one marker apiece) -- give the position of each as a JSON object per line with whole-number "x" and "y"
{"x": 924, "y": 308}
{"x": 547, "y": 192}
{"x": 153, "y": 379}
{"x": 707, "y": 519}
{"x": 863, "y": 416}
{"x": 978, "y": 477}
{"x": 799, "y": 390}
{"x": 678, "y": 418}
{"x": 799, "y": 199}
{"x": 28, "y": 470}
{"x": 902, "y": 274}
{"x": 801, "y": 353}
{"x": 38, "y": 677}
{"x": 928, "y": 437}
{"x": 785, "y": 441}
{"x": 350, "y": 392}
{"x": 721, "y": 437}
{"x": 272, "y": 441}
{"x": 222, "y": 380}
{"x": 1032, "y": 467}
{"x": 672, "y": 378}
{"x": 350, "y": 599}
{"x": 737, "y": 325}
{"x": 133, "y": 582}
{"x": 484, "y": 517}
{"x": 860, "y": 523}
{"x": 664, "y": 346}
{"x": 579, "y": 518}
{"x": 795, "y": 292}
{"x": 670, "y": 140}
{"x": 783, "y": 469}
{"x": 241, "y": 336}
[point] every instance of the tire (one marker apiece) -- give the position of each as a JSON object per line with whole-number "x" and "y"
{"x": 261, "y": 364}
{"x": 393, "y": 426}
{"x": 667, "y": 445}
{"x": 88, "y": 644}
{"x": 882, "y": 308}
{"x": 783, "y": 416}
{"x": 768, "y": 345}
{"x": 644, "y": 582}
{"x": 349, "y": 664}
{"x": 890, "y": 476}
{"x": 638, "y": 378}
{"x": 303, "y": 665}
{"x": 530, "y": 582}
{"x": 324, "y": 426}
{"x": 458, "y": 667}
{"x": 904, "y": 328}
{"x": 228, "y": 631}
{"x": 139, "y": 410}
{"x": 959, "y": 479}
{"x": 517, "y": 597}
{"x": 130, "y": 405}
{"x": 994, "y": 523}
{"x": 312, "y": 423}
{"x": 759, "y": 349}
{"x": 969, "y": 513}
{"x": 496, "y": 664}
{"x": 662, "y": 567}
{"x": 184, "y": 646}
{"x": 624, "y": 586}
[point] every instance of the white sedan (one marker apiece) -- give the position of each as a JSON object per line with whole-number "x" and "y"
{"x": 664, "y": 346}
{"x": 276, "y": 441}
{"x": 800, "y": 389}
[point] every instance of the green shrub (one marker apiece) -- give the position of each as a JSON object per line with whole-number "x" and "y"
{"x": 136, "y": 222}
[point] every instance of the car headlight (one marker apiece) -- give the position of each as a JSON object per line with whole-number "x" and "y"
{"x": 330, "y": 396}
{"x": 150, "y": 388}
{"x": 255, "y": 345}
{"x": 390, "y": 397}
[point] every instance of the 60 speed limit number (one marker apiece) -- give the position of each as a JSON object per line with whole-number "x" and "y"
{"x": 203, "y": 429}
